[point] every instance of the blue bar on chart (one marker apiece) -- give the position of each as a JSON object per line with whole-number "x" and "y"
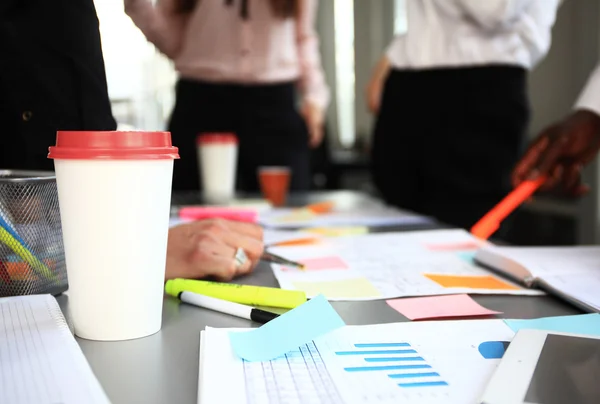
{"x": 423, "y": 384}
{"x": 380, "y": 368}
{"x": 383, "y": 345}
{"x": 395, "y": 359}
{"x": 413, "y": 375}
{"x": 381, "y": 352}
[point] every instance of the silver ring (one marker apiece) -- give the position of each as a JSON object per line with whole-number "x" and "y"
{"x": 240, "y": 258}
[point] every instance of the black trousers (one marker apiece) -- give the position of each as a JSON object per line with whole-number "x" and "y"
{"x": 446, "y": 140}
{"x": 264, "y": 118}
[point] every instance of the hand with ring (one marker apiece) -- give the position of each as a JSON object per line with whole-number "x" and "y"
{"x": 215, "y": 248}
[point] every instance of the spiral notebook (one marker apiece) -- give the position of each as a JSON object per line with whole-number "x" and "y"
{"x": 570, "y": 273}
{"x": 40, "y": 361}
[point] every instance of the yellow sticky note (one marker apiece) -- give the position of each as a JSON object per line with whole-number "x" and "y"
{"x": 338, "y": 231}
{"x": 357, "y": 287}
{"x": 302, "y": 215}
{"x": 469, "y": 281}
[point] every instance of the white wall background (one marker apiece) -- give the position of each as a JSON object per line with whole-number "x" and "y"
{"x": 140, "y": 81}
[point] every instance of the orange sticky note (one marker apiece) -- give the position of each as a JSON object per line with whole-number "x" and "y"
{"x": 470, "y": 281}
{"x": 296, "y": 242}
{"x": 488, "y": 224}
{"x": 418, "y": 308}
{"x": 321, "y": 207}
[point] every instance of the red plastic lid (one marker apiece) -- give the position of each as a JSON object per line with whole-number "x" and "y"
{"x": 217, "y": 137}
{"x": 113, "y": 145}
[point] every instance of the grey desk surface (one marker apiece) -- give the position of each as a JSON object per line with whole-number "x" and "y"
{"x": 163, "y": 368}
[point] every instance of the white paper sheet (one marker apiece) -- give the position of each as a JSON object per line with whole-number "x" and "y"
{"x": 388, "y": 265}
{"x": 379, "y": 216}
{"x": 40, "y": 361}
{"x": 426, "y": 362}
{"x": 575, "y": 271}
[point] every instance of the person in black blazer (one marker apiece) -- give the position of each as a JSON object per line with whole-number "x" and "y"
{"x": 52, "y": 78}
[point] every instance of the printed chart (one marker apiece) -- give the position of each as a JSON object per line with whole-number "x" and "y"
{"x": 383, "y": 364}
{"x": 389, "y": 265}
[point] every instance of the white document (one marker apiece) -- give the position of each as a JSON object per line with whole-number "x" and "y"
{"x": 425, "y": 363}
{"x": 379, "y": 216}
{"x": 389, "y": 265}
{"x": 273, "y": 236}
{"x": 40, "y": 361}
{"x": 572, "y": 272}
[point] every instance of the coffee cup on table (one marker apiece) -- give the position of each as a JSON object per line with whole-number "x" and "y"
{"x": 217, "y": 156}
{"x": 114, "y": 193}
{"x": 274, "y": 183}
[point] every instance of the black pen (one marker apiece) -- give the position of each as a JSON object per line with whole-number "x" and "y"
{"x": 227, "y": 307}
{"x": 276, "y": 259}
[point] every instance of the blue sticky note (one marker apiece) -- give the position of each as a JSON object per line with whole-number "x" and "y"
{"x": 467, "y": 256}
{"x": 588, "y": 324}
{"x": 287, "y": 332}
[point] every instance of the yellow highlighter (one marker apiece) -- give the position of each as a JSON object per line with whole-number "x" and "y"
{"x": 243, "y": 294}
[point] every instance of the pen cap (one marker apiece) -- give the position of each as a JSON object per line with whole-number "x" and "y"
{"x": 243, "y": 294}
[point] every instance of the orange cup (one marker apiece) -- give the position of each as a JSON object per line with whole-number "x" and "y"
{"x": 274, "y": 183}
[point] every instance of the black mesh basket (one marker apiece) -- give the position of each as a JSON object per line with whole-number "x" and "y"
{"x": 32, "y": 259}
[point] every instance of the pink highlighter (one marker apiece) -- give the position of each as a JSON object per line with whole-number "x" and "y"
{"x": 211, "y": 212}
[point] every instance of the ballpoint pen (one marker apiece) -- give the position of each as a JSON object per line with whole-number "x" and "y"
{"x": 276, "y": 259}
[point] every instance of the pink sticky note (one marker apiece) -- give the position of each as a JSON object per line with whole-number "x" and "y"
{"x": 320, "y": 263}
{"x": 210, "y": 212}
{"x": 467, "y": 245}
{"x": 417, "y": 308}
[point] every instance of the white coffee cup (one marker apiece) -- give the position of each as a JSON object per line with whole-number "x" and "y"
{"x": 114, "y": 191}
{"x": 217, "y": 154}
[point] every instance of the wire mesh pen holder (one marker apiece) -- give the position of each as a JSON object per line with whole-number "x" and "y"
{"x": 32, "y": 259}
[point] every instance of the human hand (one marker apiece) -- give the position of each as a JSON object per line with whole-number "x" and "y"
{"x": 373, "y": 95}
{"x": 374, "y": 88}
{"x": 207, "y": 248}
{"x": 560, "y": 153}
{"x": 314, "y": 118}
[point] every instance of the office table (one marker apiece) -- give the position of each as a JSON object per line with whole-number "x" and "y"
{"x": 163, "y": 368}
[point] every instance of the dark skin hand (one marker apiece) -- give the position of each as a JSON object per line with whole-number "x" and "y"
{"x": 560, "y": 153}
{"x": 207, "y": 248}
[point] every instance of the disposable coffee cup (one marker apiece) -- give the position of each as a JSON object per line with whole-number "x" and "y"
{"x": 274, "y": 184}
{"x": 114, "y": 192}
{"x": 217, "y": 154}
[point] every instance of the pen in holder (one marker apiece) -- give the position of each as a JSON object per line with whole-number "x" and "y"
{"x": 31, "y": 247}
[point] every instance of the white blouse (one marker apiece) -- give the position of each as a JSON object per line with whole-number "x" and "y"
{"x": 452, "y": 33}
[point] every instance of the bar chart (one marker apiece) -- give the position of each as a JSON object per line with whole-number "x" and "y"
{"x": 398, "y": 361}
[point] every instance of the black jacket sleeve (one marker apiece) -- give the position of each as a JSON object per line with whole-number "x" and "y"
{"x": 52, "y": 77}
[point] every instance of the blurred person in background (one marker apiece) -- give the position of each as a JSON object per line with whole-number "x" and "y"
{"x": 52, "y": 77}
{"x": 451, "y": 103}
{"x": 239, "y": 64}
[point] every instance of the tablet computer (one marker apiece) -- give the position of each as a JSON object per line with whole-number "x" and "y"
{"x": 543, "y": 367}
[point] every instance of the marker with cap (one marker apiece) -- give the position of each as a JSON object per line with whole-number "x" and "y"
{"x": 223, "y": 306}
{"x": 243, "y": 294}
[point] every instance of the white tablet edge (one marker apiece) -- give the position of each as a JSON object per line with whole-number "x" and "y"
{"x": 518, "y": 365}
{"x": 199, "y": 401}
